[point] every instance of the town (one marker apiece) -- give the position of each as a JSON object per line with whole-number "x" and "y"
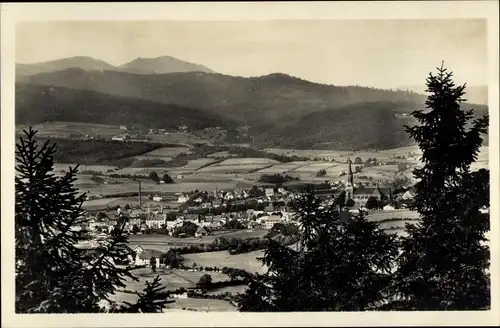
{"x": 313, "y": 178}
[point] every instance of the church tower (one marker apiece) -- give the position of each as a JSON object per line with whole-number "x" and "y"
{"x": 349, "y": 190}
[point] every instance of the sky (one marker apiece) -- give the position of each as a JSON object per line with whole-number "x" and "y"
{"x": 378, "y": 53}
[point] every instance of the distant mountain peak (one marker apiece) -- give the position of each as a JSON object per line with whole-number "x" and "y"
{"x": 163, "y": 65}
{"x": 80, "y": 62}
{"x": 140, "y": 65}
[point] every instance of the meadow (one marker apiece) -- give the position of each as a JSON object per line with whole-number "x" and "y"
{"x": 281, "y": 168}
{"x": 183, "y": 187}
{"x": 65, "y": 129}
{"x": 223, "y": 153}
{"x": 314, "y": 167}
{"x": 237, "y": 168}
{"x": 164, "y": 240}
{"x": 99, "y": 204}
{"x": 247, "y": 261}
{"x": 174, "y": 279}
{"x": 205, "y": 305}
{"x": 166, "y": 153}
{"x": 247, "y": 161}
{"x": 58, "y": 167}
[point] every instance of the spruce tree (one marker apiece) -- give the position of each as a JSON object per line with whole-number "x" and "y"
{"x": 444, "y": 258}
{"x": 53, "y": 275}
{"x": 337, "y": 265}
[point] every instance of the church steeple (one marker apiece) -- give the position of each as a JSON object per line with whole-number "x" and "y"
{"x": 349, "y": 190}
{"x": 350, "y": 175}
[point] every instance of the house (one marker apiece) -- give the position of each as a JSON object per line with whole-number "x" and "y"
{"x": 229, "y": 196}
{"x": 155, "y": 221}
{"x": 118, "y": 139}
{"x": 143, "y": 256}
{"x": 173, "y": 224}
{"x": 182, "y": 198}
{"x": 407, "y": 195}
{"x": 282, "y": 191}
{"x": 157, "y": 198}
{"x": 243, "y": 194}
{"x": 183, "y": 295}
{"x": 123, "y": 127}
{"x": 270, "y": 221}
{"x": 388, "y": 208}
{"x": 269, "y": 192}
{"x": 215, "y": 224}
{"x": 200, "y": 232}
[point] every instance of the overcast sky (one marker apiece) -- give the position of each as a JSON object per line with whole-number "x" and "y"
{"x": 380, "y": 53}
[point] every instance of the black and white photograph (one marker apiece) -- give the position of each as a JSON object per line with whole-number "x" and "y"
{"x": 255, "y": 166}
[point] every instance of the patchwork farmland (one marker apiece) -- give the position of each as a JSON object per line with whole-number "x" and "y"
{"x": 221, "y": 170}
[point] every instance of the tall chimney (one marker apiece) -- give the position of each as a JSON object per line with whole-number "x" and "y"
{"x": 140, "y": 195}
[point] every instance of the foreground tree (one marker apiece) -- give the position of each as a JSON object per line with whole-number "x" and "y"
{"x": 444, "y": 259}
{"x": 337, "y": 265}
{"x": 53, "y": 275}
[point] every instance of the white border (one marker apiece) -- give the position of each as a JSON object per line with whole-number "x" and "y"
{"x": 12, "y": 13}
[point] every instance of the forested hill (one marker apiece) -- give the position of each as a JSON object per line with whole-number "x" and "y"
{"x": 38, "y": 104}
{"x": 281, "y": 110}
{"x": 358, "y": 126}
{"x": 260, "y": 100}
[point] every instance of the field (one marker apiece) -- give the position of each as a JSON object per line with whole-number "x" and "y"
{"x": 382, "y": 169}
{"x": 307, "y": 152}
{"x": 384, "y": 215}
{"x": 184, "y": 138}
{"x": 98, "y": 204}
{"x": 208, "y": 174}
{"x": 205, "y": 305}
{"x": 246, "y": 261}
{"x": 343, "y": 155}
{"x": 82, "y": 168}
{"x": 247, "y": 161}
{"x": 238, "y": 165}
{"x": 195, "y": 164}
{"x": 166, "y": 153}
{"x": 65, "y": 129}
{"x": 174, "y": 279}
{"x": 281, "y": 168}
{"x": 335, "y": 171}
{"x": 164, "y": 242}
{"x": 141, "y": 170}
{"x": 132, "y": 201}
{"x": 131, "y": 186}
{"x": 231, "y": 169}
{"x": 221, "y": 154}
{"x": 394, "y": 221}
{"x": 313, "y": 168}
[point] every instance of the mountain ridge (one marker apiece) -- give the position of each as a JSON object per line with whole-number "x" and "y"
{"x": 253, "y": 101}
{"x": 163, "y": 64}
{"x": 279, "y": 109}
